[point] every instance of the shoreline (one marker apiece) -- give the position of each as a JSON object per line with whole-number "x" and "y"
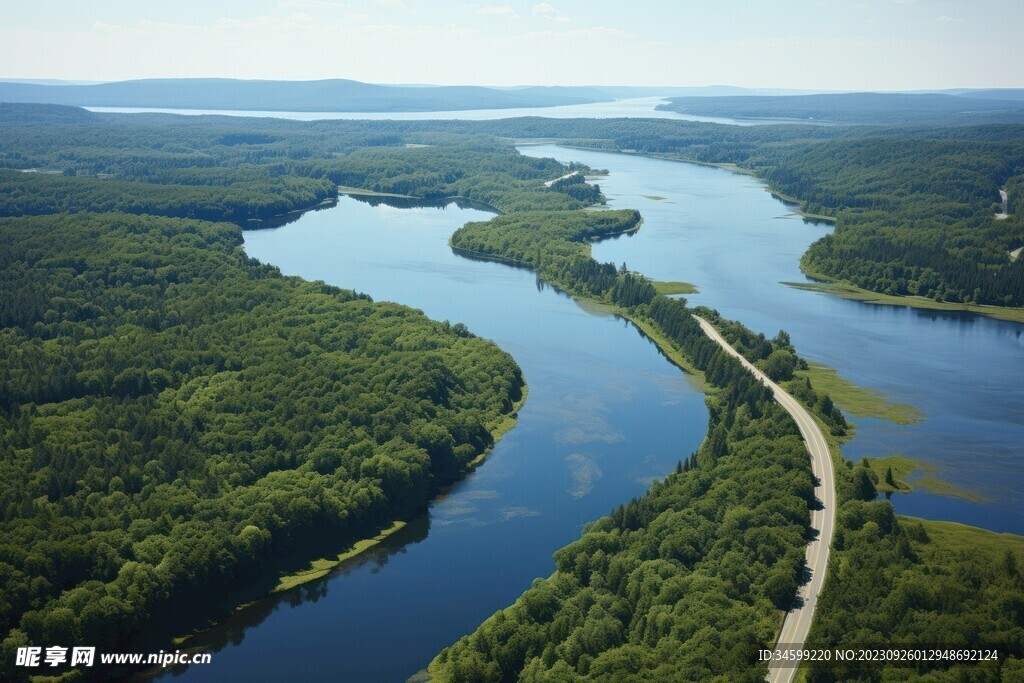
{"x": 319, "y": 568}
{"x": 356, "y": 192}
{"x": 829, "y": 285}
{"x": 826, "y": 285}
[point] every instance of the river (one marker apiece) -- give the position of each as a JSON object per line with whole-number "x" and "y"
{"x": 606, "y": 412}
{"x": 723, "y": 232}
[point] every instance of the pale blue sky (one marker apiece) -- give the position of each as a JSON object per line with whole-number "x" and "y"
{"x": 828, "y": 44}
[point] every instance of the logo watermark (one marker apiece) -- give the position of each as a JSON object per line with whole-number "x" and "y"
{"x": 58, "y": 655}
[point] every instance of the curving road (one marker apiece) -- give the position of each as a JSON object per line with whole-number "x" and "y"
{"x": 798, "y": 621}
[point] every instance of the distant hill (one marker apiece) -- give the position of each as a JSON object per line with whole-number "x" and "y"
{"x": 14, "y": 113}
{"x": 47, "y": 81}
{"x": 624, "y": 91}
{"x": 891, "y": 108}
{"x": 1014, "y": 94}
{"x": 324, "y": 95}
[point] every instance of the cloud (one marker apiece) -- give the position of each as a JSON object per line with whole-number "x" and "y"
{"x": 546, "y": 11}
{"x": 592, "y": 33}
{"x": 502, "y": 11}
{"x": 391, "y": 4}
{"x": 310, "y": 4}
{"x": 946, "y": 19}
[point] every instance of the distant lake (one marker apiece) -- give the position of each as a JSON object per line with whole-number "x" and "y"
{"x": 641, "y": 107}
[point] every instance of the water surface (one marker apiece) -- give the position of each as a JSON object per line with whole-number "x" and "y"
{"x": 723, "y": 232}
{"x": 639, "y": 107}
{"x": 606, "y": 414}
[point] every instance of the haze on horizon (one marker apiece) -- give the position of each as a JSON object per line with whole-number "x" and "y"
{"x": 814, "y": 44}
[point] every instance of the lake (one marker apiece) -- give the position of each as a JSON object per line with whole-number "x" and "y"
{"x": 638, "y": 107}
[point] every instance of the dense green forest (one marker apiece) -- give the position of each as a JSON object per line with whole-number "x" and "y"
{"x": 27, "y": 194}
{"x": 685, "y": 564}
{"x": 904, "y": 581}
{"x": 914, "y": 216}
{"x": 914, "y": 206}
{"x": 686, "y": 582}
{"x": 174, "y": 416}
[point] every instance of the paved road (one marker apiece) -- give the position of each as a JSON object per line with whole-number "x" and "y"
{"x": 798, "y": 621}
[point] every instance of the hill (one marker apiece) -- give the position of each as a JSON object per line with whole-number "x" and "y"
{"x": 323, "y": 95}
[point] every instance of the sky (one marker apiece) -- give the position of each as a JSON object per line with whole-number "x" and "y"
{"x": 817, "y": 44}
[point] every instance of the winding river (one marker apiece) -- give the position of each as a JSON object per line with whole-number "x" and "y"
{"x": 606, "y": 413}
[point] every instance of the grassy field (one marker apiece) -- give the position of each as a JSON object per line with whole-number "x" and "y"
{"x": 322, "y": 567}
{"x": 903, "y": 467}
{"x": 848, "y": 291}
{"x": 857, "y": 400}
{"x": 670, "y": 288}
{"x": 983, "y": 545}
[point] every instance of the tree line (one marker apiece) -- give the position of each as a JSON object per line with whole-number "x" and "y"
{"x": 176, "y": 417}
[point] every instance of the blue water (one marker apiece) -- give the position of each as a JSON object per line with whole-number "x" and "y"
{"x": 640, "y": 107}
{"x": 606, "y": 414}
{"x": 723, "y": 232}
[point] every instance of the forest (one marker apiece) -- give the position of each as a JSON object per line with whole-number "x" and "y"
{"x": 29, "y": 194}
{"x": 176, "y": 417}
{"x": 903, "y": 581}
{"x": 914, "y": 206}
{"x": 684, "y": 582}
{"x": 712, "y": 552}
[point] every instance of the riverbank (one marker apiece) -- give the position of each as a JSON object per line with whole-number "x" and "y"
{"x": 798, "y": 206}
{"x": 322, "y": 567}
{"x": 827, "y": 285}
{"x": 856, "y": 400}
{"x": 895, "y": 474}
{"x": 674, "y": 287}
{"x": 848, "y": 291}
{"x": 359, "y": 192}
